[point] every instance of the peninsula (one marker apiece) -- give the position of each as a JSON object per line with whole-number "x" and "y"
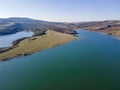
{"x": 37, "y": 43}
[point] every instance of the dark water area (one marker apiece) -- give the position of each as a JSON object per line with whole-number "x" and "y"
{"x": 90, "y": 63}
{"x": 7, "y": 40}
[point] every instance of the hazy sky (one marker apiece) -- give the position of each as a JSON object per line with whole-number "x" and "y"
{"x": 61, "y": 10}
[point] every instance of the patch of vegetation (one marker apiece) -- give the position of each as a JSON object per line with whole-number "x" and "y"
{"x": 38, "y": 32}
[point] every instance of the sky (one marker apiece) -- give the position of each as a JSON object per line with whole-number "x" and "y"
{"x": 62, "y": 10}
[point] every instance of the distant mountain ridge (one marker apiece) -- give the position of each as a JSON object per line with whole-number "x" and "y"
{"x": 16, "y": 24}
{"x": 13, "y": 25}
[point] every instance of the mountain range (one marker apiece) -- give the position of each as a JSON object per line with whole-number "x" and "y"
{"x": 16, "y": 24}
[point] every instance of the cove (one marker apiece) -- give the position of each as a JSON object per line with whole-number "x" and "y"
{"x": 90, "y": 63}
{"x": 7, "y": 40}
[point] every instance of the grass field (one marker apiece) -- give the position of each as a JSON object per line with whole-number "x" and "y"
{"x": 35, "y": 44}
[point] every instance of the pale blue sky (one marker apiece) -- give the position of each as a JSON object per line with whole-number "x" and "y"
{"x": 61, "y": 10}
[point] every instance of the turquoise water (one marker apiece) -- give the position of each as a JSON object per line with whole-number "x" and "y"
{"x": 7, "y": 40}
{"x": 90, "y": 63}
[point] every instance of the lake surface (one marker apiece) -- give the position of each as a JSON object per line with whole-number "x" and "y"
{"x": 7, "y": 40}
{"x": 90, "y": 63}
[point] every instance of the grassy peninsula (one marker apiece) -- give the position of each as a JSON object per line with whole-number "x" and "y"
{"x": 38, "y": 43}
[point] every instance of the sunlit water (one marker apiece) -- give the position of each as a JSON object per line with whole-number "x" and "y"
{"x": 7, "y": 40}
{"x": 90, "y": 63}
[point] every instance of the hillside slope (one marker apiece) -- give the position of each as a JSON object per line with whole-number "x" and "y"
{"x": 13, "y": 25}
{"x": 111, "y": 27}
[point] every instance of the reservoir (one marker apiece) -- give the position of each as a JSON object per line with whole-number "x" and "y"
{"x": 7, "y": 40}
{"x": 90, "y": 63}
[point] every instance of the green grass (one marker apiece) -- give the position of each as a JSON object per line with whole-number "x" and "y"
{"x": 35, "y": 44}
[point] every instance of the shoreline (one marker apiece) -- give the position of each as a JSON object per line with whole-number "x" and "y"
{"x": 20, "y": 48}
{"x": 102, "y": 32}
